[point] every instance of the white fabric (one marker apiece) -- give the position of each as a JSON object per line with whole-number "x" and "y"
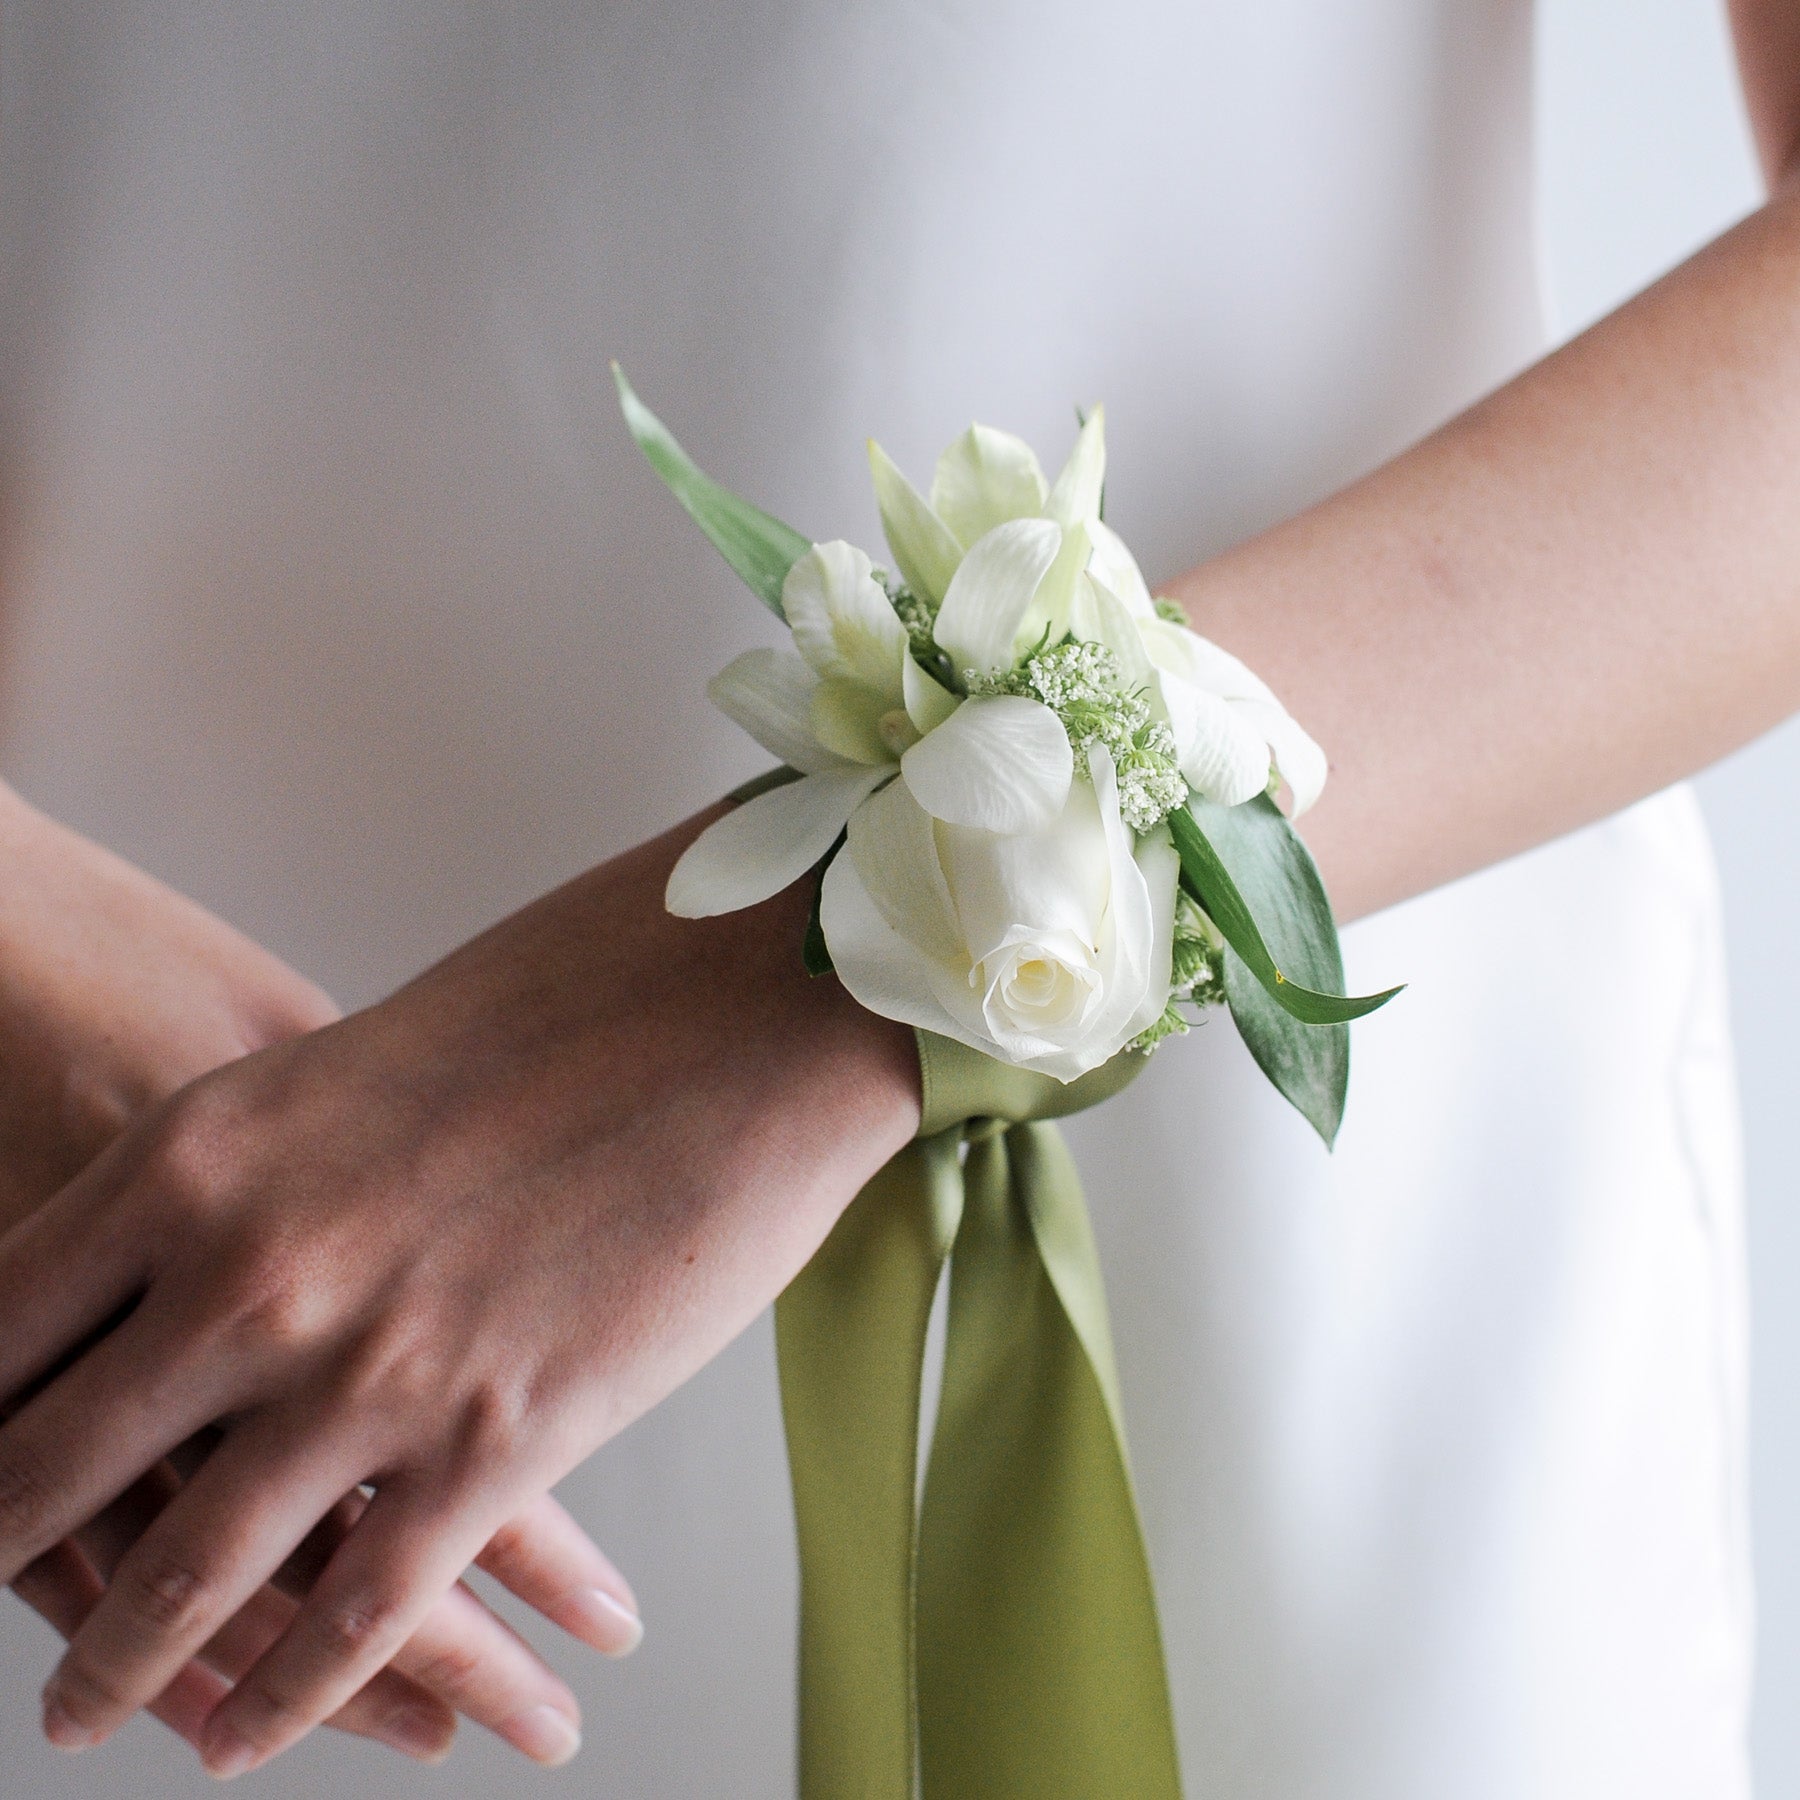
{"x": 338, "y": 595}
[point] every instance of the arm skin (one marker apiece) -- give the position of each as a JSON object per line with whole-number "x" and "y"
{"x": 114, "y": 993}
{"x": 1584, "y": 588}
{"x": 1575, "y": 593}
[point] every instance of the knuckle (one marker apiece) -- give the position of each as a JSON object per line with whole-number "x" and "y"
{"x": 190, "y": 1157}
{"x": 510, "y": 1552}
{"x": 165, "y": 1593}
{"x": 347, "y": 1629}
{"x": 449, "y": 1671}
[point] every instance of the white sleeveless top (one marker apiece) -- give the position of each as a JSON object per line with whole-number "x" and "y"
{"x": 338, "y": 596}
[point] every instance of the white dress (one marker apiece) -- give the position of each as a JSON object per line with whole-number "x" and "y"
{"x": 337, "y": 595}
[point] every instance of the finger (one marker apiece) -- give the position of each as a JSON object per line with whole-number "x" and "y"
{"x": 212, "y": 1547}
{"x": 391, "y": 1709}
{"x": 57, "y": 1471}
{"x": 96, "y": 1273}
{"x": 63, "y": 1589}
{"x": 462, "y": 1653}
{"x": 376, "y": 1592}
{"x": 546, "y": 1559}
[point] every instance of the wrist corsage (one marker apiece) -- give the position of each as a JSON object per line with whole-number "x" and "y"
{"x": 1040, "y": 812}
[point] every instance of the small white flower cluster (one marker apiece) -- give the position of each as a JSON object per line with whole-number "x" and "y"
{"x": 1084, "y": 686}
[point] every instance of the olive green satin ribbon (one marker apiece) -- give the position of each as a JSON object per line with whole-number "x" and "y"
{"x": 998, "y": 1641}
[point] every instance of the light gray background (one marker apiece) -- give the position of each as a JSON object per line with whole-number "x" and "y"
{"x": 1644, "y": 156}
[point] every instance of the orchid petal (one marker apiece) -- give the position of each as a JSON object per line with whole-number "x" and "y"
{"x": 1202, "y": 663}
{"x": 1075, "y": 498}
{"x": 843, "y": 624}
{"x": 984, "y": 479}
{"x": 770, "y": 694}
{"x": 928, "y": 702}
{"x": 766, "y": 844}
{"x": 997, "y": 764}
{"x": 1047, "y": 618}
{"x": 1297, "y": 756}
{"x": 923, "y": 548}
{"x": 1113, "y": 564}
{"x": 978, "y": 625}
{"x": 1100, "y": 617}
{"x": 858, "y": 724}
{"x": 1221, "y": 754}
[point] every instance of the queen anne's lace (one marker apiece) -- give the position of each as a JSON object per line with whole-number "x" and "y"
{"x": 1082, "y": 684}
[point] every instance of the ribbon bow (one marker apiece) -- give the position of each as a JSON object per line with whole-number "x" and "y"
{"x": 997, "y": 1640}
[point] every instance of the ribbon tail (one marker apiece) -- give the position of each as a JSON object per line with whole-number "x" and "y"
{"x": 1040, "y": 1668}
{"x": 850, "y": 1337}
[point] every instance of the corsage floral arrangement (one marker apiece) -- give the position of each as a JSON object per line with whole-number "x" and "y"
{"x": 1041, "y": 807}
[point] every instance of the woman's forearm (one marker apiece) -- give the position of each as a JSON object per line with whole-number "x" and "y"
{"x": 1583, "y": 588}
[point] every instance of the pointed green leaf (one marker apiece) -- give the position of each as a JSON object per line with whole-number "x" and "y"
{"x": 1275, "y": 873}
{"x": 760, "y": 548}
{"x": 1252, "y": 847}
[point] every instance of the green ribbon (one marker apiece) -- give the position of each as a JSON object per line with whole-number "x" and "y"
{"x": 999, "y": 1640}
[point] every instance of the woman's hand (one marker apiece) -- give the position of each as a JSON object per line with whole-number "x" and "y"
{"x": 446, "y": 1248}
{"x": 114, "y": 992}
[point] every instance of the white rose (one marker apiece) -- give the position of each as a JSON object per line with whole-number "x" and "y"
{"x": 1048, "y": 948}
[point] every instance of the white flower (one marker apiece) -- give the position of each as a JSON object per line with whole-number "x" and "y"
{"x": 842, "y": 707}
{"x": 1048, "y": 948}
{"x": 1227, "y": 724}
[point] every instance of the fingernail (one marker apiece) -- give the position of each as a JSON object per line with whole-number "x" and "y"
{"x": 545, "y": 1735}
{"x": 417, "y": 1734}
{"x": 63, "y": 1731}
{"x": 227, "y": 1754}
{"x": 609, "y": 1625}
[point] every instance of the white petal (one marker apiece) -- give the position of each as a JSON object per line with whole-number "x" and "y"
{"x": 924, "y": 550}
{"x": 928, "y": 702}
{"x": 1129, "y": 943}
{"x": 1047, "y": 618}
{"x": 1113, "y": 564}
{"x": 770, "y": 694}
{"x": 979, "y": 622}
{"x": 1054, "y": 879}
{"x": 1300, "y": 760}
{"x": 998, "y": 764}
{"x": 849, "y": 720}
{"x": 758, "y": 848}
{"x": 985, "y": 478}
{"x": 1075, "y": 499}
{"x": 1221, "y": 754}
{"x": 843, "y": 624}
{"x": 893, "y": 845}
{"x": 1201, "y": 663}
{"x": 1100, "y": 617}
{"x": 888, "y": 975}
{"x": 1160, "y": 867}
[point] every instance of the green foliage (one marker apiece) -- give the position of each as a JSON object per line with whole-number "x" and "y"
{"x": 759, "y": 548}
{"x": 1284, "y": 974}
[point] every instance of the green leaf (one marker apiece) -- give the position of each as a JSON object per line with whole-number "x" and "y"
{"x": 815, "y": 953}
{"x": 1256, "y": 848}
{"x": 1308, "y": 1065}
{"x": 760, "y": 548}
{"x": 1266, "y": 868}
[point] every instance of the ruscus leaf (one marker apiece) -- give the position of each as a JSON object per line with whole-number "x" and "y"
{"x": 760, "y": 548}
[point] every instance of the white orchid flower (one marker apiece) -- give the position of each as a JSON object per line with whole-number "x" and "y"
{"x": 1049, "y": 948}
{"x": 985, "y": 479}
{"x": 842, "y": 706}
{"x": 1227, "y": 724}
